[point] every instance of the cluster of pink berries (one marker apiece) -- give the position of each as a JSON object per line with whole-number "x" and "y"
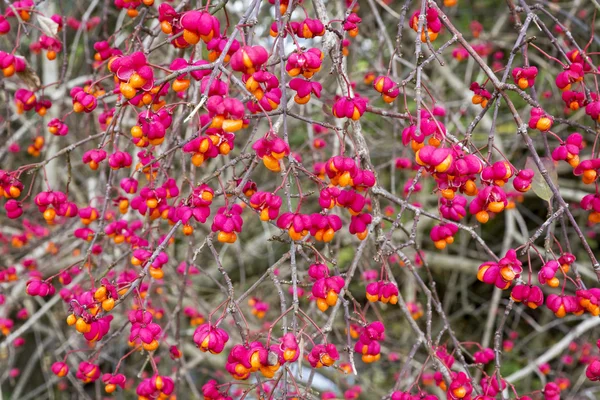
{"x": 144, "y": 330}
{"x": 55, "y": 203}
{"x": 368, "y": 342}
{"x": 210, "y": 338}
{"x": 385, "y": 292}
{"x": 325, "y": 288}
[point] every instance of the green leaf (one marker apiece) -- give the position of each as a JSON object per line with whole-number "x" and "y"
{"x": 539, "y": 185}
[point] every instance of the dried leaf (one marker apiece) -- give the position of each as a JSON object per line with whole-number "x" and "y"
{"x": 272, "y": 358}
{"x": 301, "y": 355}
{"x": 48, "y": 26}
{"x": 30, "y": 78}
{"x": 539, "y": 185}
